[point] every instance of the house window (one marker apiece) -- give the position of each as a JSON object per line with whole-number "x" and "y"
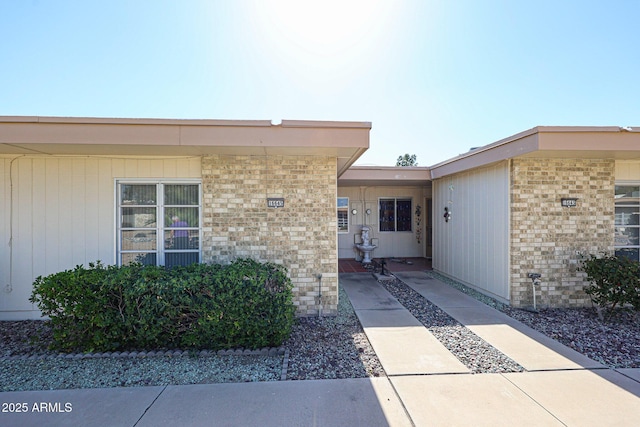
{"x": 395, "y": 214}
{"x": 158, "y": 222}
{"x": 343, "y": 214}
{"x": 627, "y": 225}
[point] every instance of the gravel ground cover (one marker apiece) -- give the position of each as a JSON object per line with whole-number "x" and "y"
{"x": 60, "y": 373}
{"x": 331, "y": 347}
{"x": 319, "y": 348}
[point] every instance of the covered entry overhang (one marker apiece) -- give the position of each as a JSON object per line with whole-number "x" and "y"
{"x": 385, "y": 176}
{"x": 371, "y": 193}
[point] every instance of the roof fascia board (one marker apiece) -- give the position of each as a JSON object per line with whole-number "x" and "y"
{"x": 350, "y": 139}
{"x": 388, "y": 172}
{"x": 326, "y": 124}
{"x": 275, "y": 136}
{"x": 516, "y": 145}
{"x": 545, "y": 141}
{"x": 186, "y": 122}
{"x": 385, "y": 175}
{"x": 134, "y": 121}
{"x": 593, "y": 140}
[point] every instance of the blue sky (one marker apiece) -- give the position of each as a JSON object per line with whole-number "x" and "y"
{"x": 434, "y": 77}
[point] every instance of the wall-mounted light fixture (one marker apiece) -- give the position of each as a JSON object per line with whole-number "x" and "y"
{"x": 368, "y": 211}
{"x": 354, "y": 211}
{"x": 447, "y": 214}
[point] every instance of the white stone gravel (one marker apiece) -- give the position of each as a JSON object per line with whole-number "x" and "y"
{"x": 62, "y": 373}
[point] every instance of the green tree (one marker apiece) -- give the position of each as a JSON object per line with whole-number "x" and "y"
{"x": 407, "y": 160}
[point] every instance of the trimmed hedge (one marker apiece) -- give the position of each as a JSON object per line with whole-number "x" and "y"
{"x": 615, "y": 282}
{"x": 245, "y": 304}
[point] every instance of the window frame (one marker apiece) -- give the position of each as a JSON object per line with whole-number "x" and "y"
{"x": 395, "y": 214}
{"x": 338, "y": 210}
{"x": 618, "y": 249}
{"x": 160, "y": 228}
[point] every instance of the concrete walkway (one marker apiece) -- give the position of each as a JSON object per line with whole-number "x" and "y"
{"x": 560, "y": 387}
{"x": 403, "y": 345}
{"x": 426, "y": 385}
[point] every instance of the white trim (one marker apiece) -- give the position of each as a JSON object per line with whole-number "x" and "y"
{"x": 160, "y": 206}
{"x": 509, "y": 229}
{"x": 348, "y": 215}
{"x": 626, "y": 183}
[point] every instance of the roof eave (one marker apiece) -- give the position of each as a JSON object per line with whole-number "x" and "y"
{"x": 166, "y": 137}
{"x": 549, "y": 141}
{"x": 385, "y": 175}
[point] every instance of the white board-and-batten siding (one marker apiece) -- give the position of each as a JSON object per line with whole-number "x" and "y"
{"x": 473, "y": 246}
{"x": 627, "y": 170}
{"x": 59, "y": 212}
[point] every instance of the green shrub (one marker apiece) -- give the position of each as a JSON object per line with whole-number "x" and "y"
{"x": 245, "y": 304}
{"x": 615, "y": 282}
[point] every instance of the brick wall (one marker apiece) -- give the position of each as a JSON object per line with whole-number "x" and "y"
{"x": 301, "y": 236}
{"x": 547, "y": 238}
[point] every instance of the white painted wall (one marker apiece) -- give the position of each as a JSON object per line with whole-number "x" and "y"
{"x": 473, "y": 246}
{"x": 390, "y": 244}
{"x": 59, "y": 212}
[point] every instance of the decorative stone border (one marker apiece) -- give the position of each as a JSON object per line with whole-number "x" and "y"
{"x": 267, "y": 351}
{"x": 285, "y": 365}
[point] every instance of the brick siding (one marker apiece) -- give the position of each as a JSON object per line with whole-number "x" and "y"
{"x": 301, "y": 235}
{"x": 547, "y": 238}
